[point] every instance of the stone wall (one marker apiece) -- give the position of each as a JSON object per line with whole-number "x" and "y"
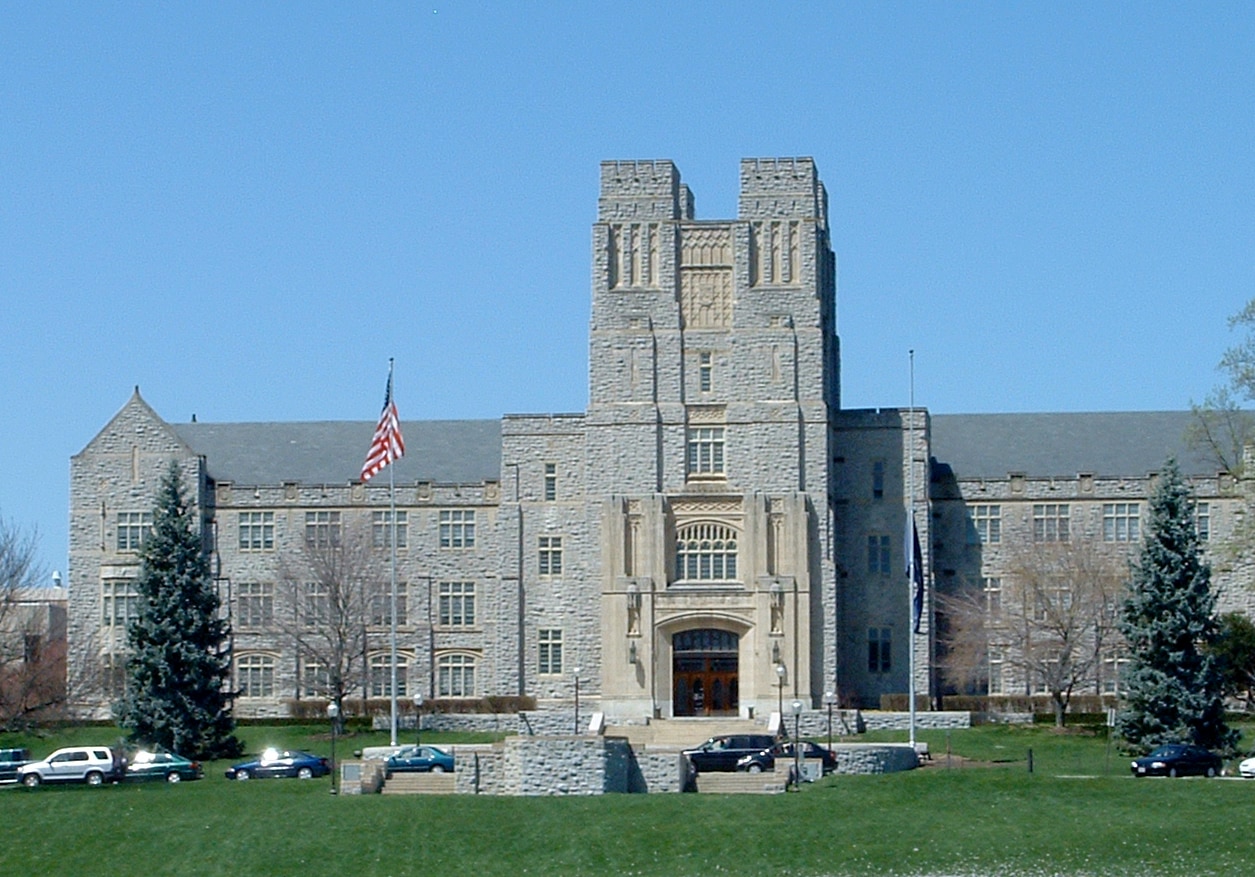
{"x": 924, "y": 720}
{"x": 866, "y": 758}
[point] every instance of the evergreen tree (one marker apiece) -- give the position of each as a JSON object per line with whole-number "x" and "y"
{"x": 178, "y": 668}
{"x": 1174, "y": 683}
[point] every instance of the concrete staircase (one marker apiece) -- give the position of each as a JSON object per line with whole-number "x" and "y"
{"x": 766, "y": 783}
{"x": 419, "y": 784}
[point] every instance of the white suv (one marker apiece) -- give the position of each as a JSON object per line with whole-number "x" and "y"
{"x": 77, "y": 764}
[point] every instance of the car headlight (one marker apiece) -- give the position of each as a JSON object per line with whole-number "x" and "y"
{"x": 1158, "y": 764}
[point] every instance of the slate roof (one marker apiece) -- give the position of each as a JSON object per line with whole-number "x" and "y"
{"x": 332, "y": 452}
{"x": 1115, "y": 443}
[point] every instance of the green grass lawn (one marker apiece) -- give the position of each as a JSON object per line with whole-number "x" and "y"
{"x": 993, "y": 819}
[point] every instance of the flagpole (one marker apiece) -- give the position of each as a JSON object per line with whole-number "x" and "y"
{"x": 910, "y": 547}
{"x": 392, "y": 611}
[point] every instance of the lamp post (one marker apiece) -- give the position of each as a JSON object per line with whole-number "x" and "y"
{"x": 797, "y": 744}
{"x": 333, "y": 715}
{"x": 830, "y": 699}
{"x": 418, "y": 718}
{"x": 576, "y": 672}
{"x": 780, "y": 691}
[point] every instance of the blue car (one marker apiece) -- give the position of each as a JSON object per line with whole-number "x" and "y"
{"x": 281, "y": 763}
{"x": 419, "y": 759}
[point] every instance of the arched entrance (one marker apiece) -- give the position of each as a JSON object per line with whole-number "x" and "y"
{"x": 704, "y": 672}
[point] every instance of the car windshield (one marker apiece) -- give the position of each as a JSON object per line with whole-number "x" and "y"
{"x": 1164, "y": 751}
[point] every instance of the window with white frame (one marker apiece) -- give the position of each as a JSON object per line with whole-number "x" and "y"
{"x": 381, "y": 529}
{"x": 381, "y": 675}
{"x": 1202, "y": 521}
{"x": 120, "y": 603}
{"x": 992, "y": 589}
{"x": 878, "y": 556}
{"x": 1120, "y": 522}
{"x": 551, "y": 482}
{"x": 706, "y": 552}
{"x": 984, "y": 525}
{"x": 257, "y": 531}
{"x": 550, "y": 650}
{"x": 255, "y": 675}
{"x": 705, "y": 450}
{"x": 317, "y": 604}
{"x": 456, "y": 604}
{"x": 1113, "y": 665}
{"x": 879, "y": 649}
{"x": 315, "y": 679}
{"x": 550, "y": 555}
{"x": 455, "y": 676}
{"x": 254, "y": 605}
{"x": 457, "y": 528}
{"x": 1051, "y": 522}
{"x": 996, "y": 677}
{"x": 381, "y": 606}
{"x": 133, "y": 530}
{"x": 322, "y": 529}
{"x": 113, "y": 669}
{"x": 705, "y": 372}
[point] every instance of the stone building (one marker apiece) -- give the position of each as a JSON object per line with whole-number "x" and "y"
{"x": 713, "y": 536}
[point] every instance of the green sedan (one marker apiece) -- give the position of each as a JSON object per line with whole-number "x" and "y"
{"x": 162, "y": 766}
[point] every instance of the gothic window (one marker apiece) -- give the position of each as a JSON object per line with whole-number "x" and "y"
{"x": 455, "y": 676}
{"x": 255, "y": 675}
{"x": 381, "y": 675}
{"x": 705, "y": 552}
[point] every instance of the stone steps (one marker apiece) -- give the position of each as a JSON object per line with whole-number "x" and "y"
{"x": 420, "y": 784}
{"x": 683, "y": 733}
{"x": 741, "y": 783}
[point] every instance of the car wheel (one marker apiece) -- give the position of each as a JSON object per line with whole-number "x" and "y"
{"x": 173, "y": 777}
{"x": 31, "y": 780}
{"x": 755, "y": 768}
{"x": 436, "y": 768}
{"x": 241, "y": 775}
{"x": 1172, "y": 771}
{"x": 305, "y": 774}
{"x": 94, "y": 778}
{"x": 1211, "y": 772}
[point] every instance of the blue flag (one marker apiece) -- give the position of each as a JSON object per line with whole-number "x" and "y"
{"x": 915, "y": 572}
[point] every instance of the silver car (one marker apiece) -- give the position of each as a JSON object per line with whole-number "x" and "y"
{"x": 76, "y": 764}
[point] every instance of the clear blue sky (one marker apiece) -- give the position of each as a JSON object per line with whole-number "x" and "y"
{"x": 246, "y": 208}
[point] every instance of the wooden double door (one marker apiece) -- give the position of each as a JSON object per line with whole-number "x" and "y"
{"x": 704, "y": 673}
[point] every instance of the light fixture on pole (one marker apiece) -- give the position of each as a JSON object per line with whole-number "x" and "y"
{"x": 797, "y": 744}
{"x": 418, "y": 718}
{"x": 830, "y": 699}
{"x": 780, "y": 691}
{"x": 576, "y": 673}
{"x": 333, "y": 715}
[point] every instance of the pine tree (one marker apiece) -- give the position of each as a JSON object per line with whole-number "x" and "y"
{"x": 1174, "y": 683}
{"x": 177, "y": 669}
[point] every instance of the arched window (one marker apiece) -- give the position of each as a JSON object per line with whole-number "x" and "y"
{"x": 255, "y": 675}
{"x": 381, "y": 675}
{"x": 705, "y": 552}
{"x": 455, "y": 676}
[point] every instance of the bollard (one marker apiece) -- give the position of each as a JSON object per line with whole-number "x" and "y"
{"x": 1030, "y": 761}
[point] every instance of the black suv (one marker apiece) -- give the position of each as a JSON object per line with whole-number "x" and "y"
{"x": 722, "y": 753}
{"x": 10, "y": 761}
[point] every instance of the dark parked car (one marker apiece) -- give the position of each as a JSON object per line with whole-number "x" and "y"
{"x": 1177, "y": 760}
{"x": 10, "y": 761}
{"x": 162, "y": 766}
{"x": 766, "y": 759}
{"x": 281, "y": 763}
{"x": 415, "y": 759}
{"x": 722, "y": 753}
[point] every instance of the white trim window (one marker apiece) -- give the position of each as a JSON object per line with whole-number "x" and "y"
{"x": 457, "y": 528}
{"x": 706, "y": 551}
{"x": 254, "y": 605}
{"x": 455, "y": 675}
{"x": 549, "y": 646}
{"x": 255, "y": 675}
{"x": 984, "y": 525}
{"x": 322, "y": 529}
{"x": 381, "y": 675}
{"x": 381, "y": 529}
{"x": 120, "y": 603}
{"x": 1120, "y": 522}
{"x": 133, "y": 530}
{"x": 1051, "y": 522}
{"x": 1202, "y": 521}
{"x": 456, "y": 602}
{"x": 381, "y": 606}
{"x": 705, "y": 451}
{"x": 549, "y": 558}
{"x": 257, "y": 531}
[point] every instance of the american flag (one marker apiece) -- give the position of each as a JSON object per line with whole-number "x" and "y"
{"x": 387, "y": 446}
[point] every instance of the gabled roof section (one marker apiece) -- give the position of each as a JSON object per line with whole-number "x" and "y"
{"x": 1114, "y": 444}
{"x": 137, "y": 422}
{"x": 332, "y": 452}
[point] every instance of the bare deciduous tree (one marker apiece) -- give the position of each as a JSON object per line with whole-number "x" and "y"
{"x": 32, "y": 632}
{"x": 332, "y": 593}
{"x": 1051, "y": 618}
